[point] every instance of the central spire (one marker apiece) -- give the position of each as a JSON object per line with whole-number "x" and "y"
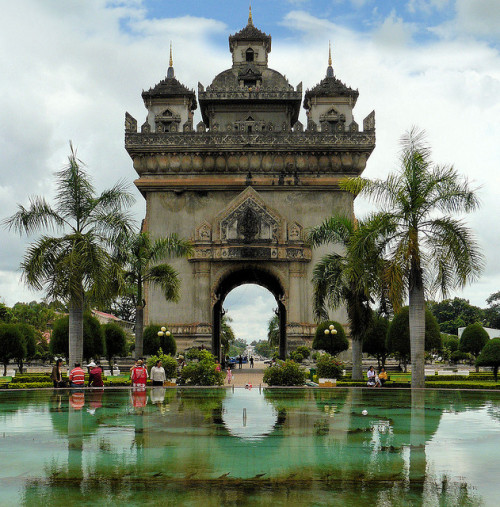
{"x": 329, "y": 70}
{"x": 250, "y": 21}
{"x": 170, "y": 71}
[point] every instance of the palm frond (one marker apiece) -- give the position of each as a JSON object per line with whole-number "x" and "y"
{"x": 336, "y": 229}
{"x": 38, "y": 216}
{"x": 167, "y": 279}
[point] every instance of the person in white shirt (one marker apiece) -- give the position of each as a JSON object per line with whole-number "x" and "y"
{"x": 371, "y": 376}
{"x": 158, "y": 374}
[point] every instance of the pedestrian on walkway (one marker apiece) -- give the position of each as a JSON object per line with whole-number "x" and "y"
{"x": 251, "y": 362}
{"x": 240, "y": 361}
{"x": 229, "y": 375}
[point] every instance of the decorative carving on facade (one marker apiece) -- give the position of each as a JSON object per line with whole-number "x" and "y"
{"x": 295, "y": 232}
{"x": 204, "y": 232}
{"x": 130, "y": 123}
{"x": 311, "y": 126}
{"x": 146, "y": 127}
{"x": 353, "y": 127}
{"x": 201, "y": 139}
{"x": 369, "y": 122}
{"x": 298, "y": 127}
{"x": 247, "y": 218}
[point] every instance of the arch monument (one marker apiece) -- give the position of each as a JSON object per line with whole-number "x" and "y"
{"x": 244, "y": 185}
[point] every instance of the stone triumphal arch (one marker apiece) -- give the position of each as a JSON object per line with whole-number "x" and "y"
{"x": 245, "y": 184}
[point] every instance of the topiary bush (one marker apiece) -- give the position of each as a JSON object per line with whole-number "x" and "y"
{"x": 169, "y": 363}
{"x": 328, "y": 366}
{"x": 331, "y": 343}
{"x": 473, "y": 339}
{"x": 285, "y": 373}
{"x": 490, "y": 356}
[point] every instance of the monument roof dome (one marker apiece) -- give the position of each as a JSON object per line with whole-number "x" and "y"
{"x": 270, "y": 79}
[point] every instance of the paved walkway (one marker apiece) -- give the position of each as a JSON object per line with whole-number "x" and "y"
{"x": 247, "y": 374}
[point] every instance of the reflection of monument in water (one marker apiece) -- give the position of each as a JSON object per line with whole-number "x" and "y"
{"x": 244, "y": 184}
{"x": 311, "y": 442}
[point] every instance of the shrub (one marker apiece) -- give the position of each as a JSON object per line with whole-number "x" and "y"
{"x": 473, "y": 339}
{"x": 202, "y": 373}
{"x": 398, "y": 336}
{"x": 12, "y": 344}
{"x": 490, "y": 356}
{"x": 285, "y": 373}
{"x": 458, "y": 355}
{"x": 116, "y": 341}
{"x": 192, "y": 353}
{"x": 329, "y": 367}
{"x": 332, "y": 343}
{"x": 169, "y": 363}
{"x": 305, "y": 351}
{"x": 153, "y": 342}
{"x": 93, "y": 338}
{"x": 296, "y": 356}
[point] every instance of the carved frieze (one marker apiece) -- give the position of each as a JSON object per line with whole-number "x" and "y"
{"x": 248, "y": 219}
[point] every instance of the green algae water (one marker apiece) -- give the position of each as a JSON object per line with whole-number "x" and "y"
{"x": 249, "y": 447}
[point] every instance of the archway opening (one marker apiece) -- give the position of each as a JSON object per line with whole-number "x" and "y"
{"x": 249, "y": 277}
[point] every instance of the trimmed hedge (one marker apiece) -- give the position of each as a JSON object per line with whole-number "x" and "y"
{"x": 30, "y": 385}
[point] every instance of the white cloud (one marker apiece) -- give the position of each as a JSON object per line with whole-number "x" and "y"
{"x": 426, "y": 6}
{"x": 478, "y": 17}
{"x": 393, "y": 31}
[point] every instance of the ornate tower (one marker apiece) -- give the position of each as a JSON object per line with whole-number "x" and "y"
{"x": 245, "y": 185}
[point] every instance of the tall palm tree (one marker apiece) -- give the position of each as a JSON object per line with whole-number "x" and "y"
{"x": 143, "y": 260}
{"x": 79, "y": 263}
{"x": 426, "y": 249}
{"x": 346, "y": 279}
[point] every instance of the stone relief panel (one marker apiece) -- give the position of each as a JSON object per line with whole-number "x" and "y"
{"x": 295, "y": 232}
{"x": 204, "y": 232}
{"x": 248, "y": 220}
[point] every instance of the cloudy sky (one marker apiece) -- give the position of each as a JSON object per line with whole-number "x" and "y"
{"x": 71, "y": 68}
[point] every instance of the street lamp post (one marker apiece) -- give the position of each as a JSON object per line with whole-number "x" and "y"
{"x": 331, "y": 331}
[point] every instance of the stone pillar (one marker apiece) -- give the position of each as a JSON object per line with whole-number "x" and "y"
{"x": 201, "y": 292}
{"x": 295, "y": 293}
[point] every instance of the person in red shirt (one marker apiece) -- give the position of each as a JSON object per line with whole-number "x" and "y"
{"x": 139, "y": 375}
{"x": 95, "y": 376}
{"x": 77, "y": 376}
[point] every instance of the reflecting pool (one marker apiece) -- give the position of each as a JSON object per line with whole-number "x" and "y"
{"x": 249, "y": 447}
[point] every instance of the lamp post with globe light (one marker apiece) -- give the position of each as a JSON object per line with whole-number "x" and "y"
{"x": 163, "y": 331}
{"x": 331, "y": 331}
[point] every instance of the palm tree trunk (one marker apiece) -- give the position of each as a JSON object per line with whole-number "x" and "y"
{"x": 75, "y": 332}
{"x": 357, "y": 358}
{"x": 139, "y": 325}
{"x": 417, "y": 328}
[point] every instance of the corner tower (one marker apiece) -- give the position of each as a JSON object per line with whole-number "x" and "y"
{"x": 244, "y": 185}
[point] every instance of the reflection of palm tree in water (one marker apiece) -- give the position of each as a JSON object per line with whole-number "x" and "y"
{"x": 418, "y": 462}
{"x": 75, "y": 435}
